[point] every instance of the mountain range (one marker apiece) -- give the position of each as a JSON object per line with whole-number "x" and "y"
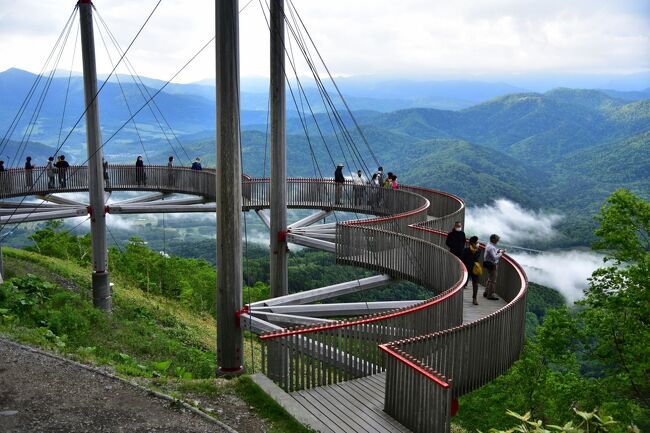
{"x": 563, "y": 150}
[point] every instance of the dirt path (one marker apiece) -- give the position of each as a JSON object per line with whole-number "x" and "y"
{"x": 39, "y": 393}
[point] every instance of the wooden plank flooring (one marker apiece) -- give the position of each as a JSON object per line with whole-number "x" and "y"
{"x": 485, "y": 306}
{"x": 357, "y": 406}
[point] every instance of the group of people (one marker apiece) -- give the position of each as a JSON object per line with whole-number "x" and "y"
{"x": 360, "y": 182}
{"x": 57, "y": 171}
{"x": 54, "y": 170}
{"x": 141, "y": 176}
{"x": 469, "y": 253}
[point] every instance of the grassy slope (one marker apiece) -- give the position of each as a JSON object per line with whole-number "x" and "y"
{"x": 148, "y": 338}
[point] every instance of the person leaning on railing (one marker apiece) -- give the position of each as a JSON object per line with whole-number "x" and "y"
{"x": 339, "y": 179}
{"x": 62, "y": 168}
{"x": 491, "y": 263}
{"x": 29, "y": 177}
{"x": 170, "y": 171}
{"x": 107, "y": 179}
{"x": 140, "y": 177}
{"x": 50, "y": 170}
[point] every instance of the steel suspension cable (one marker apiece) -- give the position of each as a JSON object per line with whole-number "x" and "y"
{"x": 126, "y": 101}
{"x": 67, "y": 88}
{"x": 40, "y": 102}
{"x": 300, "y": 87}
{"x": 293, "y": 97}
{"x": 327, "y": 101}
{"x": 143, "y": 89}
{"x": 14, "y": 123}
{"x": 84, "y": 113}
{"x": 292, "y": 6}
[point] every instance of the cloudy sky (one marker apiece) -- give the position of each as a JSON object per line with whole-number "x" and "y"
{"x": 417, "y": 38}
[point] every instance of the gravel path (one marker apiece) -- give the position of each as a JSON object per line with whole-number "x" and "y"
{"x": 39, "y": 393}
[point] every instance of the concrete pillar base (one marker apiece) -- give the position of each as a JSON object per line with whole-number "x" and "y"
{"x": 230, "y": 372}
{"x": 102, "y": 295}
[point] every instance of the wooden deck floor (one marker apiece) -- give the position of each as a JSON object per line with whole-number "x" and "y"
{"x": 357, "y": 406}
{"x": 484, "y": 308}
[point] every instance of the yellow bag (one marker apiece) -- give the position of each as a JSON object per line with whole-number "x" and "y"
{"x": 477, "y": 269}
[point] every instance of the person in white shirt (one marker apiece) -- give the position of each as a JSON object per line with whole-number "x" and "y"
{"x": 491, "y": 263}
{"x": 359, "y": 182}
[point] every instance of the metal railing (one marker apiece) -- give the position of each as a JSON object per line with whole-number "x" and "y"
{"x": 429, "y": 356}
{"x": 20, "y": 182}
{"x": 470, "y": 355}
{"x": 309, "y": 356}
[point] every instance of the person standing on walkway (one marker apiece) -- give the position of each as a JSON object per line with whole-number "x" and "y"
{"x": 456, "y": 239}
{"x": 491, "y": 263}
{"x": 374, "y": 198}
{"x": 29, "y": 176}
{"x": 139, "y": 171}
{"x": 470, "y": 257}
{"x": 196, "y": 166}
{"x": 62, "y": 168}
{"x": 360, "y": 182}
{"x": 50, "y": 170}
{"x": 3, "y": 174}
{"x": 393, "y": 183}
{"x": 339, "y": 180}
{"x": 387, "y": 183}
{"x": 380, "y": 175}
{"x": 107, "y": 179}
{"x": 170, "y": 171}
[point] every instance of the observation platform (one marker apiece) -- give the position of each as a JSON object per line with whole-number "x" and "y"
{"x": 331, "y": 357}
{"x": 358, "y": 405}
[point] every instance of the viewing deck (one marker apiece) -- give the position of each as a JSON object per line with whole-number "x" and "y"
{"x": 407, "y": 359}
{"x": 358, "y": 405}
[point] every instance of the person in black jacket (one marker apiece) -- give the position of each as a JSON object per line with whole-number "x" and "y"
{"x": 62, "y": 168}
{"x": 471, "y": 254}
{"x": 339, "y": 179}
{"x": 140, "y": 177}
{"x": 29, "y": 179}
{"x": 456, "y": 239}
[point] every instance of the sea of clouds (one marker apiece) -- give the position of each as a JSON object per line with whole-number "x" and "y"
{"x": 566, "y": 271}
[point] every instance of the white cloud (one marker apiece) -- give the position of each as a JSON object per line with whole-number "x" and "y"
{"x": 415, "y": 37}
{"x": 565, "y": 271}
{"x": 511, "y": 222}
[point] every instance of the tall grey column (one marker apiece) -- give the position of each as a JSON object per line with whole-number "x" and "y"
{"x": 100, "y": 279}
{"x": 229, "y": 206}
{"x": 278, "y": 230}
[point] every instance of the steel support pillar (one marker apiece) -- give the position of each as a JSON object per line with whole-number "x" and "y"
{"x": 100, "y": 280}
{"x": 278, "y": 242}
{"x": 229, "y": 201}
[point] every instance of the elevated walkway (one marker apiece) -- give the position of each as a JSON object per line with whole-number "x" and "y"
{"x": 357, "y": 406}
{"x": 430, "y": 352}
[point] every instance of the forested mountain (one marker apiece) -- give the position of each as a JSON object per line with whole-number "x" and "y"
{"x": 564, "y": 150}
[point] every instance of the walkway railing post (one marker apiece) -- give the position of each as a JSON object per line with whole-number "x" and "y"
{"x": 278, "y": 244}
{"x": 228, "y": 197}
{"x": 100, "y": 279}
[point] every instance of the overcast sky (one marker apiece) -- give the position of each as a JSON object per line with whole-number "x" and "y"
{"x": 415, "y": 38}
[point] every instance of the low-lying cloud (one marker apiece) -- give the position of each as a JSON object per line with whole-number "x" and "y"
{"x": 513, "y": 223}
{"x": 565, "y": 271}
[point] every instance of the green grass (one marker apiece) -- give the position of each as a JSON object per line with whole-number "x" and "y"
{"x": 267, "y": 407}
{"x": 148, "y": 337}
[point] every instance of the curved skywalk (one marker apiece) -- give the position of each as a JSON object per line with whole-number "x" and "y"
{"x": 426, "y": 352}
